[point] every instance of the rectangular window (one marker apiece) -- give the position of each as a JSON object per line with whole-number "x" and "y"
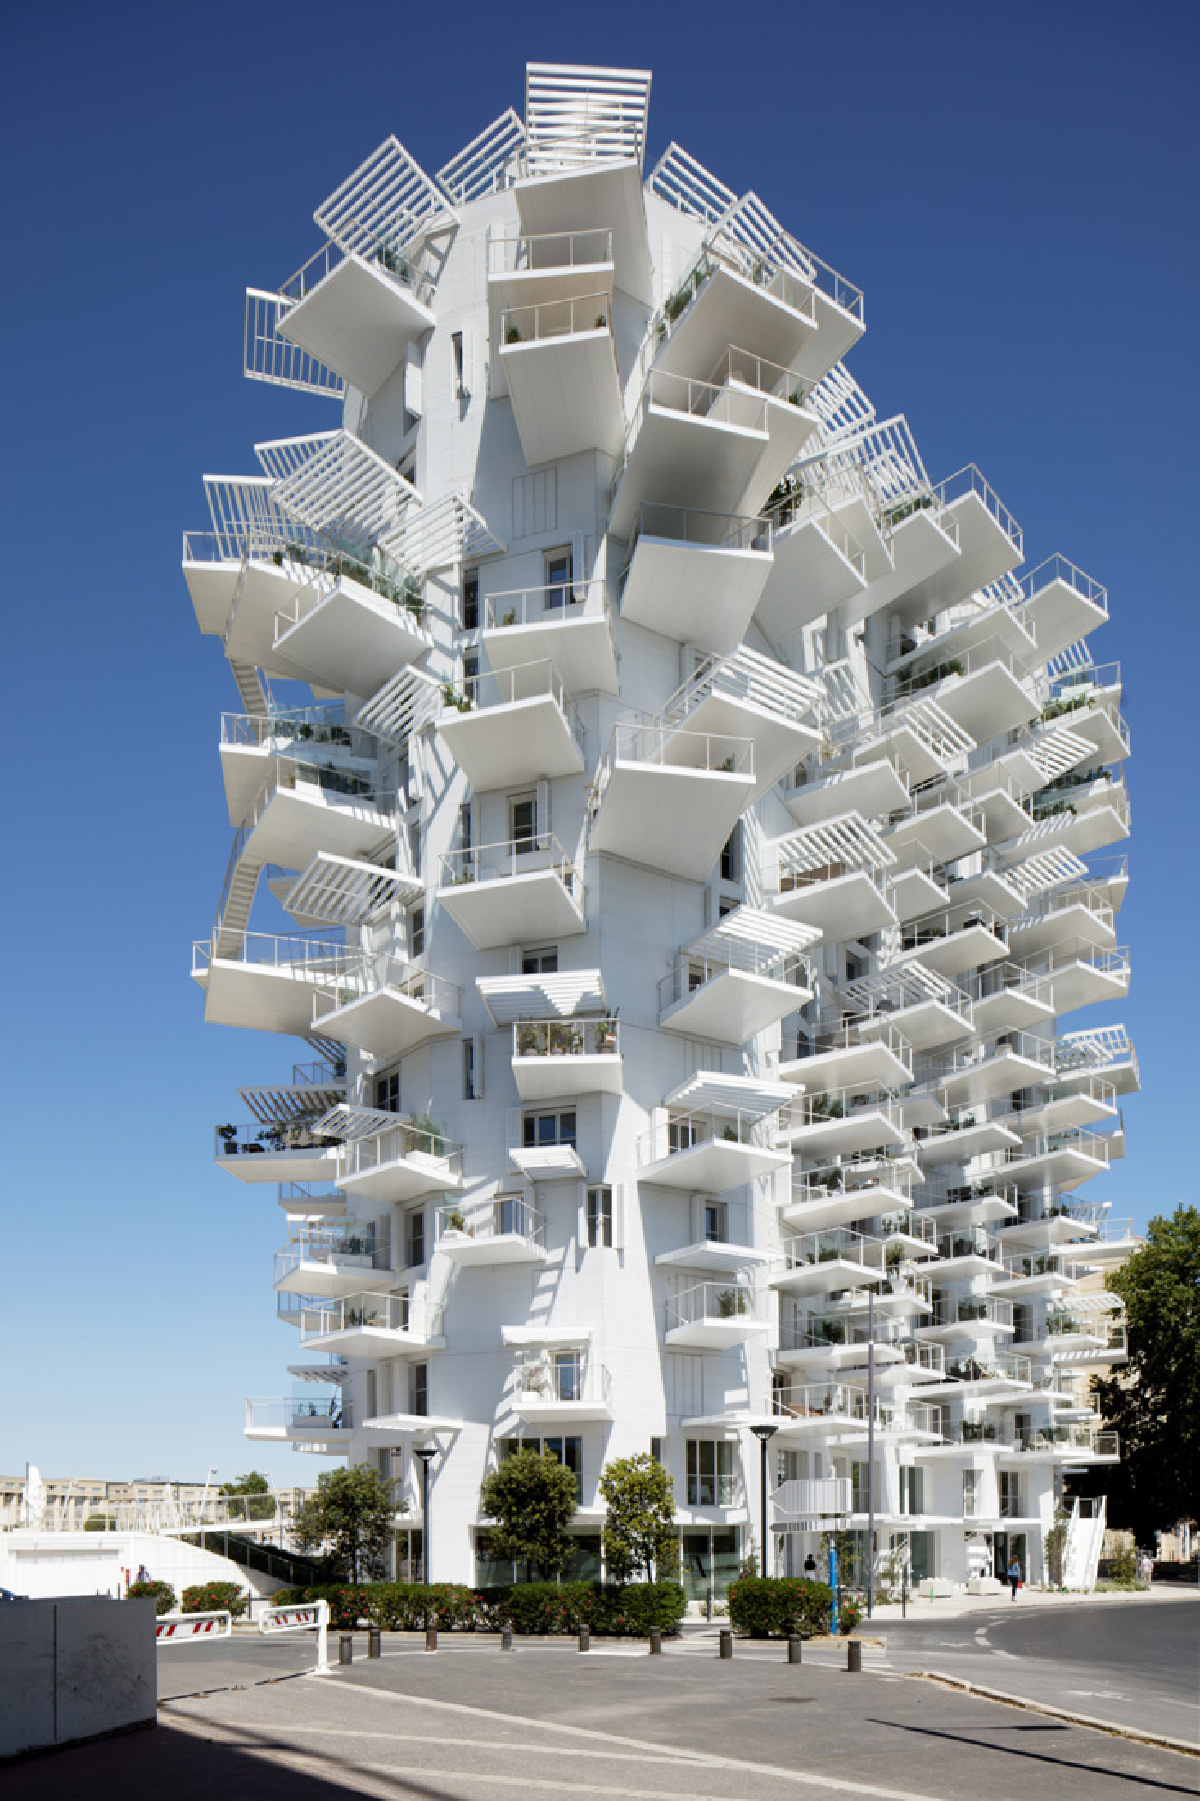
{"x": 558, "y": 579}
{"x": 416, "y": 933}
{"x": 856, "y": 967}
{"x": 600, "y": 1216}
{"x": 456, "y": 346}
{"x": 541, "y": 962}
{"x": 414, "y": 1237}
{"x": 972, "y": 1490}
{"x": 566, "y": 1450}
{"x": 387, "y": 1091}
{"x": 912, "y": 1489}
{"x": 731, "y": 856}
{"x": 710, "y": 1480}
{"x": 418, "y": 1389}
{"x": 465, "y": 826}
{"x": 716, "y": 1222}
{"x": 471, "y": 674}
{"x": 858, "y": 1488}
{"x": 656, "y": 1449}
{"x": 1010, "y": 1495}
{"x": 470, "y": 600}
{"x": 548, "y": 1128}
{"x": 470, "y": 1074}
{"x": 522, "y": 821}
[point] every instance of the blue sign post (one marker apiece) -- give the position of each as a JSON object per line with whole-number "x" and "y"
{"x": 833, "y": 1590}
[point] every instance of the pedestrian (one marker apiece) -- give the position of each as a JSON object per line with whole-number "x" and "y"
{"x": 1014, "y": 1576}
{"x": 810, "y": 1567}
{"x": 1147, "y": 1569}
{"x": 143, "y": 1574}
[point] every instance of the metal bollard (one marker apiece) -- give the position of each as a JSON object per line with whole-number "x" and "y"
{"x": 345, "y": 1648}
{"x": 794, "y": 1644}
{"x": 506, "y": 1632}
{"x": 726, "y": 1642}
{"x": 708, "y": 1603}
{"x": 854, "y": 1656}
{"x": 431, "y": 1638}
{"x": 585, "y": 1638}
{"x": 374, "y": 1642}
{"x": 655, "y": 1641}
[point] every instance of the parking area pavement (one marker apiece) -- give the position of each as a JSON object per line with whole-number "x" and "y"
{"x": 471, "y": 1723}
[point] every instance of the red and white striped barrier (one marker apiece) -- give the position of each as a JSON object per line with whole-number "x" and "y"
{"x": 309, "y": 1616}
{"x": 189, "y": 1628}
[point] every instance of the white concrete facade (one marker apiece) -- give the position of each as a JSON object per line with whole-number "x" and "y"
{"x": 690, "y": 849}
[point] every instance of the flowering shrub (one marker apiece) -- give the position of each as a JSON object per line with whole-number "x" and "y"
{"x": 534, "y": 1608}
{"x": 780, "y": 1606}
{"x": 161, "y": 1593}
{"x": 214, "y": 1597}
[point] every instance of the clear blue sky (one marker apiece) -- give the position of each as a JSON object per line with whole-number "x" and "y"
{"x": 1015, "y": 189}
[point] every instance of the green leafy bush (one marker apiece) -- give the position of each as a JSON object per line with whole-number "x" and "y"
{"x": 215, "y": 1597}
{"x": 535, "y": 1609}
{"x": 161, "y": 1593}
{"x": 780, "y": 1606}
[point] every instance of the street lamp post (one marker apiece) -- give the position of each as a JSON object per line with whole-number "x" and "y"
{"x": 870, "y": 1452}
{"x": 426, "y": 1453}
{"x": 764, "y": 1434}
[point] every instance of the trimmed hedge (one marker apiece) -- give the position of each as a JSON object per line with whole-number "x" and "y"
{"x": 535, "y": 1608}
{"x": 161, "y": 1593}
{"x": 214, "y": 1597}
{"x": 780, "y": 1606}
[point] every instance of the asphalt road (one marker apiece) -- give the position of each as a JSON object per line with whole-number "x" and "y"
{"x": 1136, "y": 1663}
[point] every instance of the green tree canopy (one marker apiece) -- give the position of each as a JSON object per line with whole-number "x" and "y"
{"x": 348, "y": 1521}
{"x": 1154, "y": 1403}
{"x": 639, "y": 1522}
{"x": 531, "y": 1496}
{"x": 252, "y": 1484}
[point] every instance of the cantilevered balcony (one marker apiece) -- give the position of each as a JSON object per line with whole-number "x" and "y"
{"x": 356, "y": 313}
{"x": 329, "y": 1261}
{"x": 941, "y": 824}
{"x": 824, "y": 1340}
{"x": 653, "y": 771}
{"x": 561, "y": 1387}
{"x": 990, "y": 543}
{"x": 523, "y": 270}
{"x": 1081, "y": 976}
{"x": 1061, "y": 604}
{"x": 871, "y": 790}
{"x": 827, "y": 1261}
{"x": 392, "y": 1010}
{"x": 373, "y": 1325}
{"x": 986, "y": 688}
{"x": 306, "y": 807}
{"x": 556, "y": 1059}
{"x": 1074, "y": 1444}
{"x": 512, "y": 726}
{"x": 1085, "y": 698}
{"x": 285, "y": 1152}
{"x": 508, "y": 1229}
{"x": 818, "y": 564}
{"x": 926, "y": 1009}
{"x": 270, "y": 981}
{"x": 712, "y": 1316}
{"x": 322, "y": 1425}
{"x": 830, "y": 877}
{"x": 317, "y": 735}
{"x": 752, "y": 696}
{"x": 1103, "y": 1051}
{"x": 559, "y": 363}
{"x": 567, "y": 623}
{"x": 818, "y": 1410}
{"x": 967, "y": 1134}
{"x": 847, "y": 1192}
{"x": 951, "y": 943}
{"x": 992, "y": 1068}
{"x": 352, "y": 625}
{"x": 968, "y": 1316}
{"x": 1009, "y": 996}
{"x": 969, "y": 1251}
{"x": 400, "y": 1163}
{"x": 841, "y": 1123}
{"x": 1078, "y": 819}
{"x": 1080, "y": 913}
{"x": 522, "y": 890}
{"x": 836, "y": 1058}
{"x": 744, "y": 974}
{"x": 1062, "y": 1159}
{"x": 581, "y": 166}
{"x": 1049, "y": 1108}
{"x": 694, "y": 576}
{"x": 723, "y": 298}
{"x": 706, "y": 1151}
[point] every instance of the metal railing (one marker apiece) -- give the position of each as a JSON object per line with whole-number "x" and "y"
{"x": 705, "y": 1301}
{"x": 673, "y": 747}
{"x": 389, "y": 975}
{"x": 1058, "y": 569}
{"x": 540, "y": 321}
{"x": 314, "y": 960}
{"x": 819, "y": 1400}
{"x": 839, "y": 1104}
{"x": 399, "y": 1144}
{"x": 506, "y": 1216}
{"x": 974, "y": 1309}
{"x": 565, "y": 1377}
{"x": 512, "y": 857}
{"x": 931, "y": 1358}
{"x": 535, "y": 252}
{"x": 798, "y": 1047}
{"x": 547, "y": 605}
{"x": 684, "y": 1131}
{"x": 699, "y": 526}
{"x": 390, "y": 257}
{"x": 566, "y": 1038}
{"x": 834, "y": 1244}
{"x": 346, "y": 1242}
{"x": 253, "y": 1138}
{"x": 743, "y": 368}
{"x": 970, "y": 480}
{"x": 508, "y": 687}
{"x": 1053, "y": 1438}
{"x": 710, "y": 402}
{"x": 865, "y": 1176}
{"x": 370, "y": 1312}
{"x": 299, "y": 1414}
{"x": 693, "y": 970}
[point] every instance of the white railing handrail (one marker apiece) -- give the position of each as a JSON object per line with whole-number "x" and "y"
{"x": 514, "y": 253}
{"x": 392, "y": 260}
{"x": 311, "y": 959}
{"x": 699, "y": 525}
{"x": 510, "y": 687}
{"x": 510, "y": 857}
{"x": 692, "y": 970}
{"x": 512, "y": 606}
{"x": 815, "y": 1400}
{"x": 540, "y": 321}
{"x": 649, "y": 740}
{"x": 503, "y": 1215}
{"x": 1058, "y": 568}
{"x": 828, "y": 1245}
{"x": 971, "y": 480}
{"x": 684, "y": 1128}
{"x": 396, "y": 1143}
{"x": 571, "y": 1036}
{"x": 732, "y": 1298}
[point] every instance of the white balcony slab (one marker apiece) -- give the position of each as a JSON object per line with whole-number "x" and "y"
{"x": 825, "y": 1277}
{"x": 1079, "y": 982}
{"x": 518, "y": 909}
{"x": 352, "y": 640}
{"x": 401, "y": 1178}
{"x": 513, "y": 743}
{"x": 1004, "y": 815}
{"x": 1003, "y": 1072}
{"x": 357, "y": 321}
{"x": 845, "y": 907}
{"x": 967, "y": 1142}
{"x": 315, "y": 1435}
{"x": 925, "y": 1025}
{"x": 562, "y": 1077}
{"x": 1060, "y": 614}
{"x": 1074, "y": 920}
{"x": 485, "y": 1248}
{"x": 264, "y": 997}
{"x": 914, "y": 892}
{"x": 987, "y": 701}
{"x": 811, "y": 576}
{"x": 714, "y": 1166}
{"x": 713, "y": 1333}
{"x": 299, "y": 821}
{"x": 871, "y": 1064}
{"x": 370, "y": 1341}
{"x": 702, "y": 594}
{"x": 838, "y": 1357}
{"x": 865, "y": 1129}
{"x": 211, "y": 586}
{"x": 266, "y": 1163}
{"x": 780, "y": 742}
{"x": 244, "y": 769}
{"x": 843, "y": 1207}
{"x": 548, "y": 1410}
{"x": 1011, "y": 1010}
{"x": 566, "y": 393}
{"x": 713, "y": 1258}
{"x": 729, "y": 309}
{"x": 386, "y": 1023}
{"x": 920, "y": 551}
{"x": 601, "y": 195}
{"x": 873, "y": 789}
{"x": 732, "y": 1006}
{"x": 985, "y": 553}
{"x": 988, "y": 888}
{"x": 944, "y": 833}
{"x": 967, "y": 947}
{"x": 266, "y": 590}
{"x": 682, "y": 458}
{"x": 579, "y": 644}
{"x": 330, "y": 1278}
{"x": 703, "y": 806}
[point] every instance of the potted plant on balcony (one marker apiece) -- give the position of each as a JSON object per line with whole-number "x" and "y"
{"x": 456, "y": 1221}
{"x": 575, "y": 1041}
{"x": 228, "y": 1136}
{"x": 527, "y": 1041}
{"x": 510, "y": 617}
{"x": 606, "y": 1033}
{"x": 731, "y": 1302}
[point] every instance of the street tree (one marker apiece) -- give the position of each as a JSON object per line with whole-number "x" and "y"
{"x": 253, "y": 1486}
{"x": 1154, "y": 1403}
{"x": 639, "y": 1521}
{"x": 532, "y": 1498}
{"x": 348, "y": 1522}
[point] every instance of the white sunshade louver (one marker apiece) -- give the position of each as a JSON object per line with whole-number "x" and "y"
{"x": 577, "y": 114}
{"x": 484, "y": 164}
{"x": 338, "y": 487}
{"x": 388, "y": 202}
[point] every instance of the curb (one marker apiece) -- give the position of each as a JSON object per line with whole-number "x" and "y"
{"x": 1182, "y": 1745}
